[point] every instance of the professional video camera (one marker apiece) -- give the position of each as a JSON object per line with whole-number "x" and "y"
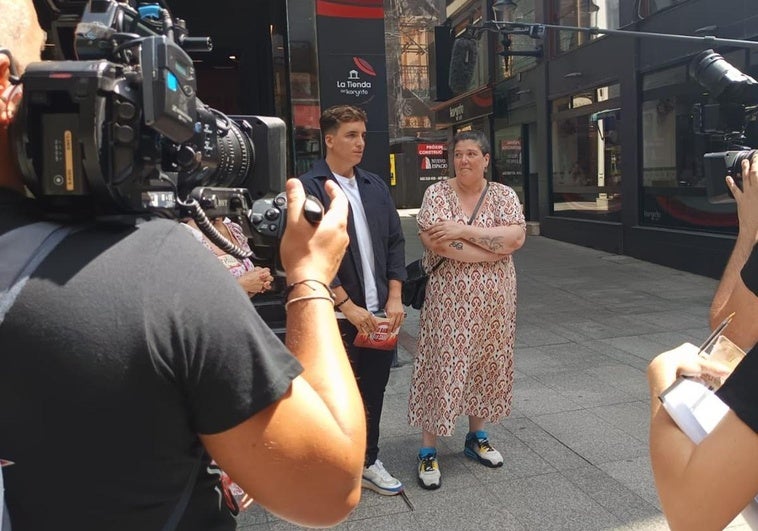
{"x": 117, "y": 130}
{"x": 729, "y": 126}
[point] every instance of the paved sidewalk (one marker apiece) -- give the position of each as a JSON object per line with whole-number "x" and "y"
{"x": 575, "y": 447}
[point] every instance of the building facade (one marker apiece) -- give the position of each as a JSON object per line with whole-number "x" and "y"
{"x": 561, "y": 116}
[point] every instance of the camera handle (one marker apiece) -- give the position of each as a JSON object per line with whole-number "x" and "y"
{"x": 313, "y": 211}
{"x": 207, "y": 228}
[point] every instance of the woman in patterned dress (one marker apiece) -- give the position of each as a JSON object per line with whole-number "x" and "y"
{"x": 251, "y": 278}
{"x": 464, "y": 364}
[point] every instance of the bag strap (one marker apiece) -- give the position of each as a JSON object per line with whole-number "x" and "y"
{"x": 181, "y": 506}
{"x": 470, "y": 221}
{"x": 23, "y": 249}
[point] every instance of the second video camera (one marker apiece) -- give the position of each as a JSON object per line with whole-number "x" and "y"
{"x": 728, "y": 124}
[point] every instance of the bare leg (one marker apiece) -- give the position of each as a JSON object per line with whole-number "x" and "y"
{"x": 428, "y": 439}
{"x": 475, "y": 424}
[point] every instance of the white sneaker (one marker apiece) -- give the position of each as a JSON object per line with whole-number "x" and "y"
{"x": 376, "y": 478}
{"x": 478, "y": 447}
{"x": 429, "y": 472}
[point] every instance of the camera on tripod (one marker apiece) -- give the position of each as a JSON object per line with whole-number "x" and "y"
{"x": 116, "y": 129}
{"x": 728, "y": 125}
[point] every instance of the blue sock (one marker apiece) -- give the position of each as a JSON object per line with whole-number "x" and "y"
{"x": 481, "y": 434}
{"x": 427, "y": 451}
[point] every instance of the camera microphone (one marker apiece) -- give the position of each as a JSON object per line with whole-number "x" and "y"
{"x": 463, "y": 62}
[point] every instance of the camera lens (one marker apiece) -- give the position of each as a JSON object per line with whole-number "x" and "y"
{"x": 722, "y": 79}
{"x": 222, "y": 154}
{"x": 736, "y": 168}
{"x": 236, "y": 158}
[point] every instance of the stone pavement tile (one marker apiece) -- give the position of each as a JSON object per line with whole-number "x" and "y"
{"x": 552, "y": 502}
{"x": 651, "y": 523}
{"x": 393, "y": 522}
{"x": 629, "y": 380}
{"x": 636, "y": 474}
{"x": 621, "y": 356}
{"x": 675, "y": 319}
{"x": 255, "y": 515}
{"x": 674, "y": 338}
{"x": 558, "y": 358}
{"x": 535, "y": 335}
{"x": 466, "y": 509}
{"x": 552, "y": 450}
{"x": 591, "y": 437}
{"x": 533, "y": 397}
{"x": 587, "y": 328}
{"x": 641, "y": 346}
{"x": 615, "y": 497}
{"x": 585, "y": 389}
{"x": 281, "y": 525}
{"x": 632, "y": 418}
{"x": 395, "y": 418}
{"x": 254, "y": 527}
{"x": 555, "y": 302}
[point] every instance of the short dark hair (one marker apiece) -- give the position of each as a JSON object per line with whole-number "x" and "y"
{"x": 477, "y": 136}
{"x": 334, "y": 116}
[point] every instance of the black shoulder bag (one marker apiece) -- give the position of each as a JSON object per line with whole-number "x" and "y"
{"x": 414, "y": 288}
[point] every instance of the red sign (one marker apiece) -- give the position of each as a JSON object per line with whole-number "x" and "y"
{"x": 431, "y": 149}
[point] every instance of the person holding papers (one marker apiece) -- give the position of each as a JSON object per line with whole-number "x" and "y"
{"x": 706, "y": 485}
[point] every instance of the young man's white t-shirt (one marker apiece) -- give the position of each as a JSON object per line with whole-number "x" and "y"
{"x": 350, "y": 187}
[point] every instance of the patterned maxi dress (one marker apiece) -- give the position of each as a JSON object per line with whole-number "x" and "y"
{"x": 467, "y": 327}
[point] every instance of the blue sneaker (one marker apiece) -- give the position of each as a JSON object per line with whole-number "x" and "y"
{"x": 478, "y": 447}
{"x": 429, "y": 471}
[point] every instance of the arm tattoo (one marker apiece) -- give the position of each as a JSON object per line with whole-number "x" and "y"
{"x": 458, "y": 246}
{"x": 494, "y": 243}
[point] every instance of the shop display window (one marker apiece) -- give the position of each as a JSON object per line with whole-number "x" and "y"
{"x": 674, "y": 188}
{"x": 583, "y": 13}
{"x": 586, "y": 161}
{"x": 507, "y": 164}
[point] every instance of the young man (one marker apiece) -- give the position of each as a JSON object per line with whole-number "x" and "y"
{"x": 129, "y": 351}
{"x": 371, "y": 275}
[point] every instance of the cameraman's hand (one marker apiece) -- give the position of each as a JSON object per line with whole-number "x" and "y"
{"x": 747, "y": 198}
{"x": 313, "y": 251}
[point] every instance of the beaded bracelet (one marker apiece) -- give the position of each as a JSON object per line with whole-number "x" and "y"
{"x": 307, "y": 298}
{"x": 290, "y": 287}
{"x": 343, "y": 301}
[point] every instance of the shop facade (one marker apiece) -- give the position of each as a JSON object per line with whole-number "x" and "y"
{"x": 602, "y": 137}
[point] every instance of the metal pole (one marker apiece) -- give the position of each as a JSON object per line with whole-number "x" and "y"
{"x": 536, "y": 30}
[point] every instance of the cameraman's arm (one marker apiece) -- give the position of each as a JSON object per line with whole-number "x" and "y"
{"x": 302, "y": 457}
{"x": 732, "y": 295}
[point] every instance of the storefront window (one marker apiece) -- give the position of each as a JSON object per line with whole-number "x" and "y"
{"x": 509, "y": 66}
{"x": 586, "y": 176}
{"x": 648, "y": 7}
{"x": 674, "y": 192}
{"x": 584, "y": 13}
{"x": 507, "y": 164}
{"x": 303, "y": 87}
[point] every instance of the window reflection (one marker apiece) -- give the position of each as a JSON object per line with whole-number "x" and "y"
{"x": 673, "y": 183}
{"x": 586, "y": 177}
{"x": 584, "y": 13}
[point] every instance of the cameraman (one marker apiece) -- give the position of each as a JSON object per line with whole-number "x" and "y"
{"x": 706, "y": 486}
{"x": 129, "y": 351}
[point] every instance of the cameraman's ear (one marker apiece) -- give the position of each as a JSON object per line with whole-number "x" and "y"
{"x": 10, "y": 94}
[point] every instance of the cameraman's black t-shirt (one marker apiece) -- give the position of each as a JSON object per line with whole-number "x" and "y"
{"x": 749, "y": 272}
{"x": 740, "y": 391}
{"x": 125, "y": 344}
